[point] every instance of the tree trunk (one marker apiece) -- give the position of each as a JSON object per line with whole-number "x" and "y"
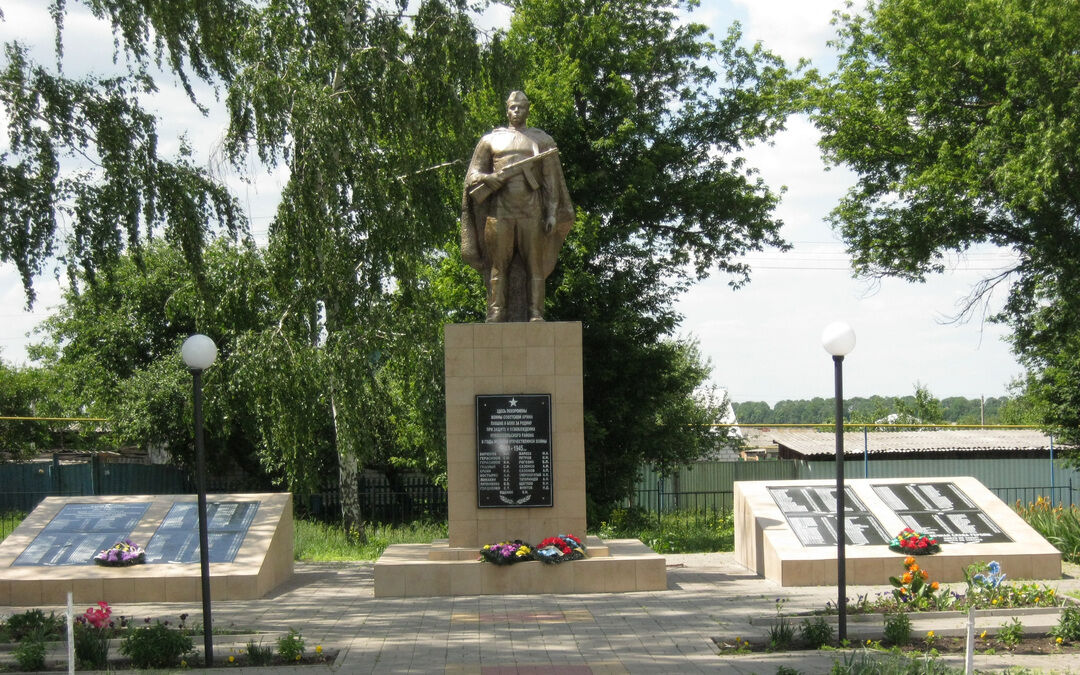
{"x": 348, "y": 482}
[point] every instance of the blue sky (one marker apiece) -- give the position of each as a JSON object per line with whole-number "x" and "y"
{"x": 764, "y": 339}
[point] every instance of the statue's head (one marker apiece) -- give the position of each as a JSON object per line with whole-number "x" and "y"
{"x": 517, "y": 108}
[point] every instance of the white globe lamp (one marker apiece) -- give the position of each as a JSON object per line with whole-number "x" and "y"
{"x": 199, "y": 352}
{"x": 838, "y": 338}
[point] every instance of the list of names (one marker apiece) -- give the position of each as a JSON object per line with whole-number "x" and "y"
{"x": 513, "y": 450}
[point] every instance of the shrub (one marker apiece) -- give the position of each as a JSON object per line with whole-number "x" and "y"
{"x": 781, "y": 633}
{"x": 678, "y": 531}
{"x": 258, "y": 654}
{"x": 91, "y": 647}
{"x": 897, "y": 628}
{"x": 30, "y": 654}
{"x": 816, "y": 633}
{"x": 34, "y": 622}
{"x": 1059, "y": 525}
{"x": 156, "y": 646}
{"x": 623, "y": 522}
{"x": 1011, "y": 632}
{"x": 1068, "y": 627}
{"x": 291, "y": 647}
{"x": 92, "y": 632}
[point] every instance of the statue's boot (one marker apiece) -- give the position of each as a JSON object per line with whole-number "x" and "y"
{"x": 536, "y": 300}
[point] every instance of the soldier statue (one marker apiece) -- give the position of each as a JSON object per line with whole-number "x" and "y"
{"x": 515, "y": 214}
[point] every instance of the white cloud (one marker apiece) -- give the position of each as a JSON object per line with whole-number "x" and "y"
{"x": 792, "y": 29}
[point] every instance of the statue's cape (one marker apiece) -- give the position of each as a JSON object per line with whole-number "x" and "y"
{"x": 474, "y": 215}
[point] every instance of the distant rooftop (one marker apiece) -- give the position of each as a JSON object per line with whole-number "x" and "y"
{"x": 813, "y": 444}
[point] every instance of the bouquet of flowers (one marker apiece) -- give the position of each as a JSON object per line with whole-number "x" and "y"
{"x": 561, "y": 548}
{"x": 121, "y": 554}
{"x": 911, "y": 542}
{"x": 506, "y": 552}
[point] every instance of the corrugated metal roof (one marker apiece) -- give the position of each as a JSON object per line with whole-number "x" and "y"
{"x": 811, "y": 442}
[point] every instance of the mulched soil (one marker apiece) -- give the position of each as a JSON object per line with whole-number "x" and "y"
{"x": 221, "y": 660}
{"x": 1042, "y": 644}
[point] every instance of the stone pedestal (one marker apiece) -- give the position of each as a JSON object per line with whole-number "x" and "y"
{"x": 515, "y": 359}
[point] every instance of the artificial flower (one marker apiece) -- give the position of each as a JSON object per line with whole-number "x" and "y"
{"x": 121, "y": 554}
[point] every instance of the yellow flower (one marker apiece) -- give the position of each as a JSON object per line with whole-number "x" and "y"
{"x": 994, "y": 601}
{"x": 1058, "y": 640}
{"x": 487, "y": 547}
{"x": 1037, "y": 598}
{"x": 318, "y": 649}
{"x": 297, "y": 657}
{"x": 930, "y": 634}
{"x": 232, "y": 658}
{"x": 982, "y": 635}
{"x": 914, "y": 567}
{"x": 868, "y": 641}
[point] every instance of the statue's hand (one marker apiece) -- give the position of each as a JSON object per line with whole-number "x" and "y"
{"x": 492, "y": 181}
{"x": 549, "y": 224}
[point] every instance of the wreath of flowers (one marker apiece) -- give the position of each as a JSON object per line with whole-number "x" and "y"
{"x": 561, "y": 548}
{"x": 121, "y": 554}
{"x": 556, "y": 549}
{"x": 910, "y": 542}
{"x": 506, "y": 552}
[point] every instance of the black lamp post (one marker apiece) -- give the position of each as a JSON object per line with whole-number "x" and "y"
{"x": 839, "y": 339}
{"x": 199, "y": 353}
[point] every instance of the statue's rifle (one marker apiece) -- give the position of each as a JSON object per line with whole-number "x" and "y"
{"x": 481, "y": 191}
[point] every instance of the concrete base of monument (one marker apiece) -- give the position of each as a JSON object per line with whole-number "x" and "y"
{"x": 766, "y": 542}
{"x": 262, "y": 554}
{"x": 426, "y": 570}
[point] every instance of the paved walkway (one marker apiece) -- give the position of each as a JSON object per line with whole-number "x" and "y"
{"x": 708, "y": 596}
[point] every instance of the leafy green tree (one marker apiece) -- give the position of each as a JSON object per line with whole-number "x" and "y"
{"x": 365, "y": 105}
{"x": 21, "y": 389}
{"x": 959, "y": 120}
{"x": 922, "y": 408}
{"x": 373, "y": 112}
{"x": 649, "y": 114}
{"x": 1024, "y": 406}
{"x": 113, "y": 349}
{"x": 85, "y": 152}
{"x": 753, "y": 412}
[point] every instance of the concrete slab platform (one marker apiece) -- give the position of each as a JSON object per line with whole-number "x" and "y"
{"x": 263, "y": 561}
{"x": 766, "y": 543}
{"x": 408, "y": 570}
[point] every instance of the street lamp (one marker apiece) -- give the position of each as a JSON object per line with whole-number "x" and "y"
{"x": 199, "y": 353}
{"x": 839, "y": 339}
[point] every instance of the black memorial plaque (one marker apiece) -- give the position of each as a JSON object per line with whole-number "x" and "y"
{"x": 513, "y": 450}
{"x": 810, "y": 512}
{"x": 76, "y": 534}
{"x": 941, "y": 510}
{"x": 177, "y": 538}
